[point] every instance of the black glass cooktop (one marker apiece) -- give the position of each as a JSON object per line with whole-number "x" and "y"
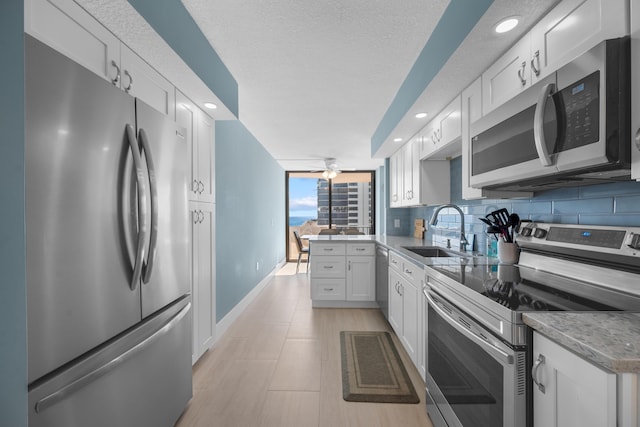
{"x": 525, "y": 289}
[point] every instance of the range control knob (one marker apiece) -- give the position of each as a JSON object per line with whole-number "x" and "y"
{"x": 635, "y": 241}
{"x": 526, "y": 231}
{"x": 540, "y": 233}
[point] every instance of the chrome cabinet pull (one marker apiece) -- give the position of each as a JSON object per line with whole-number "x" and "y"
{"x": 116, "y": 80}
{"x": 538, "y": 125}
{"x": 349, "y": 266}
{"x": 200, "y": 187}
{"x": 328, "y": 267}
{"x": 536, "y": 59}
{"x": 521, "y": 73}
{"x": 128, "y": 88}
{"x": 194, "y": 186}
{"x": 534, "y": 372}
{"x": 328, "y": 289}
{"x": 194, "y": 217}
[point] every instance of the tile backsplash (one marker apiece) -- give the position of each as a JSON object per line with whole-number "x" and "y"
{"x": 605, "y": 204}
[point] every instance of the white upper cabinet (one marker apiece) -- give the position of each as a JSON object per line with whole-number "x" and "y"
{"x": 200, "y": 148}
{"x": 573, "y": 27}
{"x": 442, "y": 135}
{"x": 395, "y": 179}
{"x": 635, "y": 89}
{"x": 139, "y": 79}
{"x": 415, "y": 182}
{"x": 66, "y": 27}
{"x": 568, "y": 30}
{"x": 507, "y": 77}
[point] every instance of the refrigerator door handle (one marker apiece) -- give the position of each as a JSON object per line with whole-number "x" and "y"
{"x": 142, "y": 207}
{"x": 147, "y": 268}
{"x": 73, "y": 386}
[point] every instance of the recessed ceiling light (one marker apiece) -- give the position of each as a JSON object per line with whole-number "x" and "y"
{"x": 506, "y": 24}
{"x": 210, "y": 105}
{"x": 397, "y": 139}
{"x": 421, "y": 115}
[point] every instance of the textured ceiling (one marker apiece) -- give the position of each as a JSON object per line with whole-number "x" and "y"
{"x": 316, "y": 77}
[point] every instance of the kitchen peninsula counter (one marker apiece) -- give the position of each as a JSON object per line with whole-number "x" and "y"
{"x": 608, "y": 339}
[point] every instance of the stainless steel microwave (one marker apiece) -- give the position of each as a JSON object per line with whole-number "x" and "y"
{"x": 571, "y": 128}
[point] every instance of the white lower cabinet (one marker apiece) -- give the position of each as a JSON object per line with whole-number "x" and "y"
{"x": 203, "y": 290}
{"x": 404, "y": 304}
{"x": 343, "y": 274}
{"x": 361, "y": 272}
{"x": 571, "y": 392}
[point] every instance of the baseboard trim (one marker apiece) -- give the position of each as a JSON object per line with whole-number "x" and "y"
{"x": 225, "y": 323}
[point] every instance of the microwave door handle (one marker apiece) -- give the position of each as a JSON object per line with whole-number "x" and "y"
{"x": 538, "y": 125}
{"x": 494, "y": 351}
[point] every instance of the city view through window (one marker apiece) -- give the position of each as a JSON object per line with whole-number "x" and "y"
{"x": 344, "y": 203}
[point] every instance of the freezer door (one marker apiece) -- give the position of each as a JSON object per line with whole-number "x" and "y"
{"x": 141, "y": 379}
{"x": 78, "y": 271}
{"x": 165, "y": 275}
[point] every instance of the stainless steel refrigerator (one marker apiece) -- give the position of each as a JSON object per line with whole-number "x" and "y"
{"x": 108, "y": 303}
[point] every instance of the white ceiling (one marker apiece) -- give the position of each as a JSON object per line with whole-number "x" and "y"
{"x": 316, "y": 77}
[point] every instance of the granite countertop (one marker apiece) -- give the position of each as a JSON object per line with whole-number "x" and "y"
{"x": 608, "y": 339}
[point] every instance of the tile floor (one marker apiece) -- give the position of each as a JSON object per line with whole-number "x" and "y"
{"x": 279, "y": 365}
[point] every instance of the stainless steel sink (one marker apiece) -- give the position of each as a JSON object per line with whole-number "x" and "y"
{"x": 432, "y": 251}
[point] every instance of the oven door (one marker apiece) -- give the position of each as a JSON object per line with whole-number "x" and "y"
{"x": 473, "y": 378}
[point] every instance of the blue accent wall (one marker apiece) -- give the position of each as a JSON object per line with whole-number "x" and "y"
{"x": 172, "y": 21}
{"x": 13, "y": 306}
{"x": 250, "y": 214}
{"x": 615, "y": 204}
{"x": 457, "y": 21}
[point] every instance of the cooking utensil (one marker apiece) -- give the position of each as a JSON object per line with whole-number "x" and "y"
{"x": 486, "y": 221}
{"x": 500, "y": 216}
{"x": 514, "y": 223}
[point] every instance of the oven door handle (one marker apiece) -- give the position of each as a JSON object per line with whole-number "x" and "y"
{"x": 494, "y": 351}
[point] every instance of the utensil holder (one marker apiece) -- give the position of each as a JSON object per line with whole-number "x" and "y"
{"x": 508, "y": 253}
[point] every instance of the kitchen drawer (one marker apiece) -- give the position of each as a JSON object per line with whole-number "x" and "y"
{"x": 361, "y": 249}
{"x": 395, "y": 261}
{"x": 328, "y": 289}
{"x": 412, "y": 272}
{"x": 327, "y": 249}
{"x": 328, "y": 266}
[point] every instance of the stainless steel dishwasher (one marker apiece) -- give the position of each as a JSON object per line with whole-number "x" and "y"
{"x": 382, "y": 279}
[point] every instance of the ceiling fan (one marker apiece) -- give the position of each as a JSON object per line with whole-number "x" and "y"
{"x": 330, "y": 170}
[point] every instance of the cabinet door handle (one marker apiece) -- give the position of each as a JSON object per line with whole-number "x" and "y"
{"x": 327, "y": 249}
{"x": 521, "y": 73}
{"x": 349, "y": 266}
{"x": 360, "y": 249}
{"x": 328, "y": 289}
{"x": 200, "y": 187}
{"x": 328, "y": 267}
{"x": 116, "y": 79}
{"x": 406, "y": 270}
{"x": 128, "y": 88}
{"x": 536, "y": 59}
{"x": 534, "y": 372}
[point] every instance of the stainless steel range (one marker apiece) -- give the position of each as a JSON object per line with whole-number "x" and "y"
{"x": 478, "y": 354}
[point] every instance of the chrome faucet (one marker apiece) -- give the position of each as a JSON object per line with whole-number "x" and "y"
{"x": 434, "y": 220}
